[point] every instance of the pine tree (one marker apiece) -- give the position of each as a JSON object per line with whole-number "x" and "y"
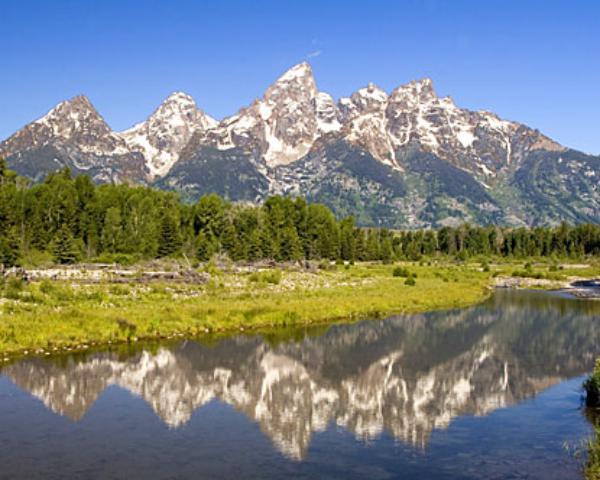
{"x": 9, "y": 249}
{"x": 169, "y": 240}
{"x": 386, "y": 251}
{"x": 360, "y": 247}
{"x": 267, "y": 243}
{"x": 372, "y": 246}
{"x": 347, "y": 240}
{"x": 64, "y": 250}
{"x": 206, "y": 245}
{"x": 112, "y": 232}
{"x": 255, "y": 251}
{"x": 290, "y": 247}
{"x": 3, "y": 170}
{"x": 230, "y": 242}
{"x": 209, "y": 214}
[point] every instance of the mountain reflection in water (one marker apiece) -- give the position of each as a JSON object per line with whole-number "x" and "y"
{"x": 406, "y": 375}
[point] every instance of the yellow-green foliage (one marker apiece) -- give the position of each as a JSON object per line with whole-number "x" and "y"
{"x": 592, "y": 465}
{"x": 272, "y": 276}
{"x": 51, "y": 315}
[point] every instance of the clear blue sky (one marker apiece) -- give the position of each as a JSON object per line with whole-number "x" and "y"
{"x": 535, "y": 61}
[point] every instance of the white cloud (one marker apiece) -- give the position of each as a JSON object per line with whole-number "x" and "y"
{"x": 314, "y": 54}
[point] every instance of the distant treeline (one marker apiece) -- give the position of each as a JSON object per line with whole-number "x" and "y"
{"x": 72, "y": 219}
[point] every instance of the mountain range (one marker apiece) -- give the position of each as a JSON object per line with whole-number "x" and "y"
{"x": 407, "y": 159}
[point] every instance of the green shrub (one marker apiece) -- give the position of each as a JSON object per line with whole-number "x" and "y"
{"x": 410, "y": 281}
{"x": 13, "y": 288}
{"x": 46, "y": 286}
{"x": 528, "y": 274}
{"x": 327, "y": 265}
{"x": 462, "y": 256}
{"x": 592, "y": 387}
{"x": 273, "y": 277}
{"x": 212, "y": 268}
{"x": 266, "y": 276}
{"x": 401, "y": 272}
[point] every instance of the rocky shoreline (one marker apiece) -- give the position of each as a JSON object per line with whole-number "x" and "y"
{"x": 585, "y": 288}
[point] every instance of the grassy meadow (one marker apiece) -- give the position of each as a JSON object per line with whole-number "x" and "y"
{"x": 47, "y": 316}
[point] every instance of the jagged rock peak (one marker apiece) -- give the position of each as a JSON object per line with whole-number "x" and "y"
{"x": 80, "y": 101}
{"x": 180, "y": 96}
{"x": 74, "y": 122}
{"x": 283, "y": 124}
{"x": 419, "y": 90}
{"x": 180, "y": 107}
{"x": 301, "y": 71}
{"x": 368, "y": 100}
{"x": 180, "y": 104}
{"x": 71, "y": 116}
{"x": 162, "y": 137}
{"x": 297, "y": 81}
{"x": 372, "y": 91}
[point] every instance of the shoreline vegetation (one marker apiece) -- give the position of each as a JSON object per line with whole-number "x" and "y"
{"x": 78, "y": 307}
{"x": 592, "y": 389}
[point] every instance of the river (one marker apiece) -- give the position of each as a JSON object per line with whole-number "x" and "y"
{"x": 488, "y": 392}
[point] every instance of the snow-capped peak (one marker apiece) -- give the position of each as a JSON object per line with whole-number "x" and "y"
{"x": 71, "y": 116}
{"x": 76, "y": 122}
{"x": 283, "y": 124}
{"x": 372, "y": 93}
{"x": 300, "y": 71}
{"x": 298, "y": 81}
{"x": 368, "y": 100}
{"x": 415, "y": 92}
{"x": 291, "y": 119}
{"x": 180, "y": 106}
{"x": 166, "y": 132}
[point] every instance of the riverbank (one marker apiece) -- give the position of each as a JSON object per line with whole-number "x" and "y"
{"x": 579, "y": 287}
{"x": 53, "y": 314}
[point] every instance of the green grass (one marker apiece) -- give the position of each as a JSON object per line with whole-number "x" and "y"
{"x": 48, "y": 316}
{"x": 550, "y": 271}
{"x": 591, "y": 467}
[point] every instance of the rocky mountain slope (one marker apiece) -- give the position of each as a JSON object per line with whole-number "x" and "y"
{"x": 407, "y": 159}
{"x": 72, "y": 135}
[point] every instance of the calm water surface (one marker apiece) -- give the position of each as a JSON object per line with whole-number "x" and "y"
{"x": 490, "y": 392}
